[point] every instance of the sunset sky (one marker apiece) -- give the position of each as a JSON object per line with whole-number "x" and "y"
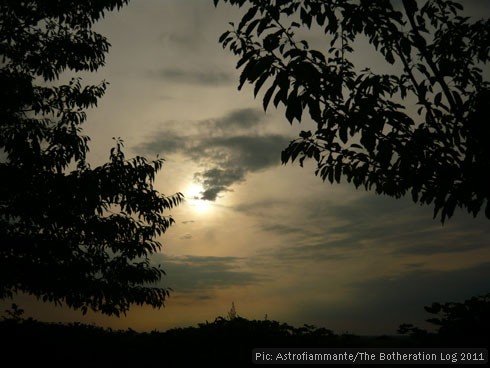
{"x": 274, "y": 239}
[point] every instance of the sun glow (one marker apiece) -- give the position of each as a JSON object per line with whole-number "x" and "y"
{"x": 192, "y": 198}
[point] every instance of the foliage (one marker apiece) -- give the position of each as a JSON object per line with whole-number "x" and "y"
{"x": 69, "y": 233}
{"x": 468, "y": 321}
{"x": 14, "y": 314}
{"x": 223, "y": 342}
{"x": 364, "y": 130}
{"x": 469, "y": 318}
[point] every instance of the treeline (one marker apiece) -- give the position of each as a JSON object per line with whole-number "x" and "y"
{"x": 223, "y": 342}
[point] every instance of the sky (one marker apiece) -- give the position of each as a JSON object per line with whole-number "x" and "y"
{"x": 274, "y": 239}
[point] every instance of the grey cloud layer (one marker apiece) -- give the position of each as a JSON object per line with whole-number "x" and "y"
{"x": 199, "y": 77}
{"x": 194, "y": 274}
{"x": 328, "y": 229}
{"x": 226, "y": 148}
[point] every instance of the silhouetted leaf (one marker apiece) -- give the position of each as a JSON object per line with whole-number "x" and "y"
{"x": 260, "y": 82}
{"x": 248, "y": 16}
{"x": 293, "y": 108}
{"x": 268, "y": 95}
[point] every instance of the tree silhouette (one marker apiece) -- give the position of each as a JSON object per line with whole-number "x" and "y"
{"x": 69, "y": 233}
{"x": 465, "y": 322}
{"x": 364, "y": 132}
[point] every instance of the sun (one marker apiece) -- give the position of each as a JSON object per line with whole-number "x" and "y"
{"x": 192, "y": 195}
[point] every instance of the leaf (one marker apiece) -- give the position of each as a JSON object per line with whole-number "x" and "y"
{"x": 271, "y": 41}
{"x": 318, "y": 55}
{"x": 252, "y": 26}
{"x": 315, "y": 112}
{"x": 305, "y": 135}
{"x": 343, "y": 133}
{"x": 330, "y": 172}
{"x": 411, "y": 6}
{"x": 295, "y": 53}
{"x": 248, "y": 16}
{"x": 437, "y": 99}
{"x": 283, "y": 84}
{"x": 247, "y": 72}
{"x": 406, "y": 46}
{"x": 223, "y": 36}
{"x": 265, "y": 23}
{"x": 268, "y": 95}
{"x": 260, "y": 82}
{"x": 389, "y": 57}
{"x": 244, "y": 58}
{"x": 368, "y": 141}
{"x": 293, "y": 108}
{"x": 305, "y": 17}
{"x": 337, "y": 172}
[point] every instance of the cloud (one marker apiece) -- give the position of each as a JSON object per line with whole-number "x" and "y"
{"x": 367, "y": 226}
{"x": 166, "y": 144}
{"x": 313, "y": 252}
{"x": 188, "y": 41}
{"x": 241, "y": 118}
{"x": 199, "y": 77}
{"x": 216, "y": 181}
{"x": 234, "y": 157}
{"x": 196, "y": 274}
{"x": 226, "y": 148}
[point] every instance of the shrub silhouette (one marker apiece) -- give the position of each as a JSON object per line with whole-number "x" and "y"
{"x": 458, "y": 323}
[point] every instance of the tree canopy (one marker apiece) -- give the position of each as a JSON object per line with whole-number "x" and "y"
{"x": 365, "y": 131}
{"x": 69, "y": 233}
{"x": 467, "y": 321}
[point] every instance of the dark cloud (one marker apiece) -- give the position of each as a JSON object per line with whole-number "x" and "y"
{"x": 190, "y": 274}
{"x": 454, "y": 245}
{"x": 166, "y": 144}
{"x": 242, "y": 119}
{"x": 199, "y": 77}
{"x": 282, "y": 229}
{"x": 317, "y": 253}
{"x": 227, "y": 148}
{"x": 252, "y": 152}
{"x": 234, "y": 157}
{"x": 216, "y": 181}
